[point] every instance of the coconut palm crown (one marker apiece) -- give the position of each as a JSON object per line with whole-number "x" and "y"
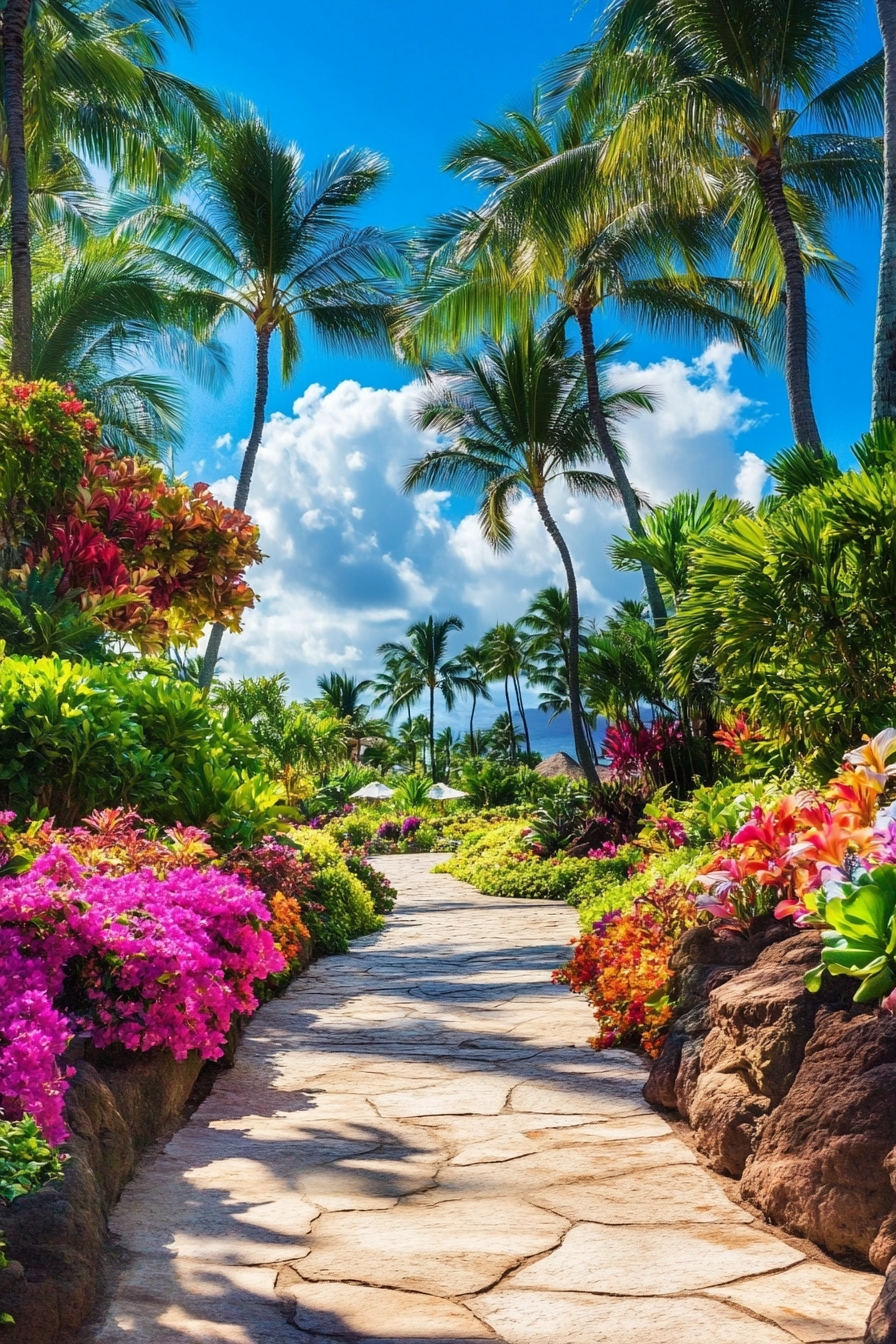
{"x": 517, "y": 419}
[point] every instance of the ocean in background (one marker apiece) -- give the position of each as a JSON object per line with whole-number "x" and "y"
{"x": 546, "y": 735}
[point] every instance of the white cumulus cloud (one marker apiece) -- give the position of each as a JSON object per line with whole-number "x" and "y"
{"x": 352, "y": 559}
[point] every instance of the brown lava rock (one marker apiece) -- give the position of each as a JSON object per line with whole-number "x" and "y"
{"x": 703, "y": 961}
{"x": 761, "y": 1020}
{"x": 820, "y": 1169}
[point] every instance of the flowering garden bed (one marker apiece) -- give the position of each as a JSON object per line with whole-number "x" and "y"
{"x": 128, "y": 955}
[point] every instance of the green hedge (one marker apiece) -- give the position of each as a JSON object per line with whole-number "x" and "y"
{"x": 496, "y": 860}
{"x": 349, "y": 902}
{"x": 76, "y": 736}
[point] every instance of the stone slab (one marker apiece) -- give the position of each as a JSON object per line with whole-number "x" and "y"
{"x": 580, "y": 1318}
{"x": 814, "y": 1302}
{"x": 162, "y": 1301}
{"x": 380, "y": 1316}
{"x": 650, "y": 1261}
{"x": 448, "y": 1249}
{"x": 666, "y": 1194}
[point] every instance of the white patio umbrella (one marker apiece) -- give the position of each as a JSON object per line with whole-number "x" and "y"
{"x": 440, "y": 793}
{"x": 376, "y": 790}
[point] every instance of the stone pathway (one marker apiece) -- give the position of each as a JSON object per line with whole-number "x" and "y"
{"x": 417, "y": 1144}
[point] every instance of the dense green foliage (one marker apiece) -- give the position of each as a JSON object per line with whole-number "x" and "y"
{"x": 77, "y": 736}
{"x": 27, "y": 1161}
{"x": 495, "y": 859}
{"x": 792, "y": 605}
{"x": 349, "y": 902}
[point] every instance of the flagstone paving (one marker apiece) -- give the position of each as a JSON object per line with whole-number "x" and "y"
{"x": 417, "y": 1144}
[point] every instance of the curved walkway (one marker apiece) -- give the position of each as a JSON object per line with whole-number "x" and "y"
{"x": 417, "y": 1144}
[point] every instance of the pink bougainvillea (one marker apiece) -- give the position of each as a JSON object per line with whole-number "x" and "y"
{"x": 138, "y": 959}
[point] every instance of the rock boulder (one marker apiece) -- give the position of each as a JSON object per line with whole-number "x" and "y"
{"x": 820, "y": 1167}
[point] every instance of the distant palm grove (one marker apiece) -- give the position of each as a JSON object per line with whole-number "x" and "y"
{"x": 680, "y": 174}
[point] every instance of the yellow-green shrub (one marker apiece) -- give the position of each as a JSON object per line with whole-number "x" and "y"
{"x": 348, "y": 905}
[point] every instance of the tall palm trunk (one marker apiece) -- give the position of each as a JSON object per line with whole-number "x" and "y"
{"x": 575, "y": 704}
{"x": 472, "y": 738}
{"x": 614, "y": 462}
{"x": 883, "y": 403}
{"x": 519, "y": 700}
{"x": 510, "y": 719}
{"x": 15, "y": 19}
{"x": 432, "y": 731}
{"x": 241, "y": 498}
{"x": 796, "y": 320}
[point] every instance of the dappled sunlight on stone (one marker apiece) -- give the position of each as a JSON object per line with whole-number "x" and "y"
{"x": 417, "y": 1146}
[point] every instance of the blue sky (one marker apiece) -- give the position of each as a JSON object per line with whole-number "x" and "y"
{"x": 410, "y": 78}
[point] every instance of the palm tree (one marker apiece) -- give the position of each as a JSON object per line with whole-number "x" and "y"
{"x": 394, "y": 689}
{"x": 274, "y": 241}
{"x": 671, "y": 534}
{"x": 427, "y": 667}
{"x": 730, "y": 91}
{"x": 15, "y": 17}
{"x": 883, "y": 405}
{"x": 410, "y": 736}
{"x": 554, "y": 228}
{"x": 504, "y": 650}
{"x": 445, "y": 744}
{"x": 341, "y": 696}
{"x": 547, "y": 622}
{"x": 104, "y": 307}
{"x": 518, "y": 420}
{"x": 82, "y": 78}
{"x": 474, "y": 662}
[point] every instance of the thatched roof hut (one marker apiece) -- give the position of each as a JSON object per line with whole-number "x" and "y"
{"x": 560, "y": 764}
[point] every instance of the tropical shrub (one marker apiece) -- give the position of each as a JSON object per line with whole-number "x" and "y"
{"x": 412, "y": 794}
{"x": 382, "y": 892}
{"x": 27, "y": 1161}
{"x": 616, "y": 889}
{"x": 793, "y": 607}
{"x": 45, "y": 433}
{"x": 557, "y": 822}
{"x": 860, "y": 937}
{"x": 622, "y": 966}
{"x": 171, "y": 555}
{"x": 75, "y": 737}
{"x": 828, "y": 860}
{"x": 341, "y": 905}
{"x": 497, "y": 860}
{"x": 136, "y": 960}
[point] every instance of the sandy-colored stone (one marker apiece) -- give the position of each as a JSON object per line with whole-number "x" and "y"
{"x": 162, "y": 1301}
{"x": 569, "y": 1097}
{"x": 447, "y": 1248}
{"x": 376, "y": 1181}
{"x": 580, "y": 1318}
{"x": 813, "y": 1302}
{"x": 476, "y": 1094}
{"x": 640, "y": 1261}
{"x": 559, "y": 1164}
{"x": 501, "y": 1149}
{"x": 379, "y": 1315}
{"x": 422, "y": 1120}
{"x": 664, "y": 1194}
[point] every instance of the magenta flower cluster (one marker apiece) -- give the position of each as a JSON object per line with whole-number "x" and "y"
{"x": 138, "y": 960}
